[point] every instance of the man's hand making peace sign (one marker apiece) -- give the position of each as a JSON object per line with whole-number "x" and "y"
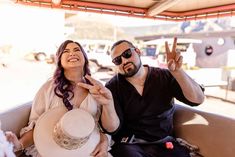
{"x": 174, "y": 59}
{"x": 101, "y": 94}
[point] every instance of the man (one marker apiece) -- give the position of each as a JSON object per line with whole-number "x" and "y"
{"x": 144, "y": 101}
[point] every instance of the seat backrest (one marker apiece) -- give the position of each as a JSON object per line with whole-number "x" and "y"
{"x": 15, "y": 118}
{"x": 213, "y": 134}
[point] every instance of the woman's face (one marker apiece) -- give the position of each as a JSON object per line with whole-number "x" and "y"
{"x": 72, "y": 57}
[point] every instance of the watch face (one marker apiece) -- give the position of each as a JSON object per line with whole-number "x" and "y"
{"x": 209, "y": 50}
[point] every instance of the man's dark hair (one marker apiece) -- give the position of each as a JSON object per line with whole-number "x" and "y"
{"x": 121, "y": 41}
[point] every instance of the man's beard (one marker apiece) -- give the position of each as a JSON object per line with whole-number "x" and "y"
{"x": 131, "y": 71}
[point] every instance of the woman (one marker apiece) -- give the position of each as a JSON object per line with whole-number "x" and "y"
{"x": 64, "y": 89}
{"x": 6, "y": 148}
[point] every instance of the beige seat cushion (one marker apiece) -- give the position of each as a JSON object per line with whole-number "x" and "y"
{"x": 214, "y": 134}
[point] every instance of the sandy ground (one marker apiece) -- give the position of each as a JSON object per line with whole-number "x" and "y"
{"x": 20, "y": 81}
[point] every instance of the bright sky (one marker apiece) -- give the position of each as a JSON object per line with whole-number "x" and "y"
{"x": 31, "y": 28}
{"x": 34, "y": 28}
{"x": 43, "y": 26}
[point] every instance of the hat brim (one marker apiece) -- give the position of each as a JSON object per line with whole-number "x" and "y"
{"x": 45, "y": 144}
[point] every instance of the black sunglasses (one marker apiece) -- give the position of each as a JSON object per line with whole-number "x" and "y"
{"x": 126, "y": 54}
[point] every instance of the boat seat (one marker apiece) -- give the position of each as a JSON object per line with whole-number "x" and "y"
{"x": 213, "y": 134}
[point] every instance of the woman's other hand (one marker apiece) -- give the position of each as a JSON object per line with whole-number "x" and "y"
{"x": 101, "y": 94}
{"x": 101, "y": 149}
{"x": 11, "y": 137}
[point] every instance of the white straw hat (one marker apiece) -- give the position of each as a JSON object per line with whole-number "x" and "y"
{"x": 62, "y": 133}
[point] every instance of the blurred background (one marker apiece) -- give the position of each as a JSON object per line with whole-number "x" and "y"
{"x": 30, "y": 36}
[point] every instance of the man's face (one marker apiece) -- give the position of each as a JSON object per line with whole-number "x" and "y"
{"x": 126, "y": 59}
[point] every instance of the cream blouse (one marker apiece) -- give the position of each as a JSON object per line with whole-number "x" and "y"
{"x": 45, "y": 100}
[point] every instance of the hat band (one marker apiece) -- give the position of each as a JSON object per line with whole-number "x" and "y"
{"x": 66, "y": 142}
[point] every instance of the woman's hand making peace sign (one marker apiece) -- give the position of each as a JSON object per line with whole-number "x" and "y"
{"x": 174, "y": 59}
{"x": 101, "y": 94}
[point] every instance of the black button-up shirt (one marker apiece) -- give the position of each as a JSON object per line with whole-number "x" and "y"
{"x": 150, "y": 116}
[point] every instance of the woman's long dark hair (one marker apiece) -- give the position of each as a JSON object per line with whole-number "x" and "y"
{"x": 64, "y": 88}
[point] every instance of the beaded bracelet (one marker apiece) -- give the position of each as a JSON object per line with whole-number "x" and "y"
{"x": 18, "y": 149}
